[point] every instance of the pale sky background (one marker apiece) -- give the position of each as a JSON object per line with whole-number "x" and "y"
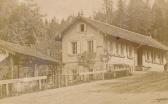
{"x": 63, "y": 8}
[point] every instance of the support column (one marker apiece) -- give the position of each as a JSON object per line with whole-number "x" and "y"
{"x": 40, "y": 84}
{"x": 36, "y": 70}
{"x": 7, "y": 89}
{"x": 18, "y": 71}
{"x": 12, "y": 66}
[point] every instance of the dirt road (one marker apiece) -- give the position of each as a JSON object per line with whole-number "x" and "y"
{"x": 99, "y": 92}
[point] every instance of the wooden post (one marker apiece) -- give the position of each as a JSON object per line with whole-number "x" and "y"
{"x": 7, "y": 89}
{"x": 114, "y": 74}
{"x": 1, "y": 90}
{"x": 66, "y": 81}
{"x": 59, "y": 78}
{"x": 103, "y": 75}
{"x": 18, "y": 72}
{"x": 12, "y": 66}
{"x": 35, "y": 70}
{"x": 40, "y": 85}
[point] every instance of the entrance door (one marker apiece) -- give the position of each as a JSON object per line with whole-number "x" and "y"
{"x": 139, "y": 58}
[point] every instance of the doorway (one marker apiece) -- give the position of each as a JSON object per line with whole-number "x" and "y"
{"x": 139, "y": 58}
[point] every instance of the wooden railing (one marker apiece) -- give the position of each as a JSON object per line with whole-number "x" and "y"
{"x": 19, "y": 86}
{"x": 71, "y": 79}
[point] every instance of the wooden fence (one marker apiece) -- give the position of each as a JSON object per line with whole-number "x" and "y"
{"x": 62, "y": 80}
{"x": 20, "y": 86}
{"x": 25, "y": 85}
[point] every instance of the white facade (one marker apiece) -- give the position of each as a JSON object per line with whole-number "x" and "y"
{"x": 75, "y": 41}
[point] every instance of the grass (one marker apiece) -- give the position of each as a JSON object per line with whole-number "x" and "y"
{"x": 148, "y": 82}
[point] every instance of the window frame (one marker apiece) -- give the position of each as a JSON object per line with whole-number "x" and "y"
{"x": 82, "y": 27}
{"x": 74, "y": 47}
{"x": 90, "y": 44}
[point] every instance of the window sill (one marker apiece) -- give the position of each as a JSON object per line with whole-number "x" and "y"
{"x": 120, "y": 56}
{"x": 129, "y": 57}
{"x": 148, "y": 61}
{"x": 82, "y": 32}
{"x": 157, "y": 63}
{"x": 72, "y": 55}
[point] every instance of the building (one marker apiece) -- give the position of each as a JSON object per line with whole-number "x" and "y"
{"x": 114, "y": 47}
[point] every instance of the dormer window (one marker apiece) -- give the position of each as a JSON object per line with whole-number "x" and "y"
{"x": 82, "y": 27}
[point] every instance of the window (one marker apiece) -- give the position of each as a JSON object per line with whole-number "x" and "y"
{"x": 148, "y": 55}
{"x": 129, "y": 51}
{"x": 161, "y": 58}
{"x": 117, "y": 48}
{"x": 74, "y": 47}
{"x": 108, "y": 45}
{"x": 111, "y": 47}
{"x": 154, "y": 57}
{"x": 82, "y": 27}
{"x": 90, "y": 46}
{"x": 122, "y": 50}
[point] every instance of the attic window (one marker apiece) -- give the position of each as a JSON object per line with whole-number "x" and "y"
{"x": 82, "y": 27}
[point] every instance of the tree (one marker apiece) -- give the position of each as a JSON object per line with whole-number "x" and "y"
{"x": 138, "y": 17}
{"x": 158, "y": 19}
{"x": 106, "y": 15}
{"x": 108, "y": 10}
{"x": 119, "y": 15}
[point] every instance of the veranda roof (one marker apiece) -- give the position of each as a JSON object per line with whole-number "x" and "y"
{"x": 16, "y": 48}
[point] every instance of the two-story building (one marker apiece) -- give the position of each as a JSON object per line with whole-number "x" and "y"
{"x": 123, "y": 47}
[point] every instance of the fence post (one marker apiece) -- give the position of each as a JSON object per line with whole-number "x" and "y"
{"x": 103, "y": 75}
{"x": 1, "y": 90}
{"x": 40, "y": 87}
{"x": 7, "y": 89}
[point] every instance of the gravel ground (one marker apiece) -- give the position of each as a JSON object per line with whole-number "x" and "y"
{"x": 128, "y": 90}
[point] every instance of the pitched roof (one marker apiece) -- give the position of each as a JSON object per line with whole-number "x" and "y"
{"x": 15, "y": 48}
{"x": 122, "y": 33}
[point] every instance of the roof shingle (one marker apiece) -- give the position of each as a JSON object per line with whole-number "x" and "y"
{"x": 15, "y": 48}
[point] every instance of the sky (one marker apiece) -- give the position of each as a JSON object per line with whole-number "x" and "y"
{"x": 63, "y": 8}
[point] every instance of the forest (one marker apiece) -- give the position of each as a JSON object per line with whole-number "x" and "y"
{"x": 22, "y": 23}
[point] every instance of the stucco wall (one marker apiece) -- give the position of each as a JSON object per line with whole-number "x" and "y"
{"x": 73, "y": 34}
{"x": 100, "y": 44}
{"x": 121, "y": 58}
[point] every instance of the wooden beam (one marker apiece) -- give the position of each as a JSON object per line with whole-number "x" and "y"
{"x": 18, "y": 71}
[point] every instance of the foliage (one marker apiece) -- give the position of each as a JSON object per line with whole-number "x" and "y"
{"x": 138, "y": 16}
{"x": 87, "y": 59}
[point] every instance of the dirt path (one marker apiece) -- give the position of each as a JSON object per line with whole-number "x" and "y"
{"x": 100, "y": 92}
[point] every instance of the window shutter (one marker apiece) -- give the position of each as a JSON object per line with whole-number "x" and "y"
{"x": 85, "y": 27}
{"x": 94, "y": 45}
{"x": 78, "y": 28}
{"x": 85, "y": 46}
{"x": 70, "y": 48}
{"x": 127, "y": 50}
{"x": 78, "y": 47}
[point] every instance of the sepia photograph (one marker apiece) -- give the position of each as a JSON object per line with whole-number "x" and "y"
{"x": 83, "y": 51}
